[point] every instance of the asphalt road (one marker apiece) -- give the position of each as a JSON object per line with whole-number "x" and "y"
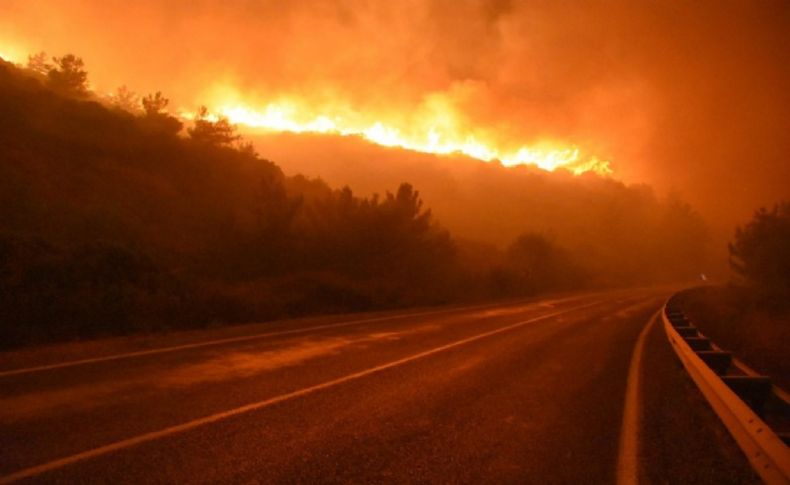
{"x": 519, "y": 392}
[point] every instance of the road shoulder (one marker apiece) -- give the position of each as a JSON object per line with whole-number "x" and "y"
{"x": 681, "y": 439}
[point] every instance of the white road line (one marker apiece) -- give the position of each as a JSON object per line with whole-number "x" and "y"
{"x": 180, "y": 428}
{"x": 174, "y": 348}
{"x": 628, "y": 454}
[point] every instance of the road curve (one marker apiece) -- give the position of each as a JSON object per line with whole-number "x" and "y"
{"x": 526, "y": 391}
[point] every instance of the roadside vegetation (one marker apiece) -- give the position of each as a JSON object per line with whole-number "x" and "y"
{"x": 117, "y": 217}
{"x": 751, "y": 315}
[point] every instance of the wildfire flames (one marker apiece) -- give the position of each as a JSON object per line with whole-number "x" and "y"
{"x": 438, "y": 131}
{"x": 436, "y": 127}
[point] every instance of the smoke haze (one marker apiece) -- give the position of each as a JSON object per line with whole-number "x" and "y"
{"x": 686, "y": 96}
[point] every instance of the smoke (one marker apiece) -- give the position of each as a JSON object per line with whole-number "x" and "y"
{"x": 688, "y": 96}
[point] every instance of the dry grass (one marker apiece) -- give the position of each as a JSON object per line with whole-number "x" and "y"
{"x": 753, "y": 324}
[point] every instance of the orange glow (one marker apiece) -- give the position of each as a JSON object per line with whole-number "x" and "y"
{"x": 12, "y": 53}
{"x": 434, "y": 128}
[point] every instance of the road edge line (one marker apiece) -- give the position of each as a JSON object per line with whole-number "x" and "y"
{"x": 628, "y": 449}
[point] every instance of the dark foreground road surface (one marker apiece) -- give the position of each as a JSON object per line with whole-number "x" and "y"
{"x": 522, "y": 392}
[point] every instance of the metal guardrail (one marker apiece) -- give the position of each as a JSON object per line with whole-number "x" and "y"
{"x": 767, "y": 453}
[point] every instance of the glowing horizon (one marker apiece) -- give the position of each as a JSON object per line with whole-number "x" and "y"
{"x": 435, "y": 133}
{"x": 437, "y": 126}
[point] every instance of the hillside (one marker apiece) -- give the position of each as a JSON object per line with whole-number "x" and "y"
{"x": 623, "y": 233}
{"x": 115, "y": 222}
{"x": 112, "y": 222}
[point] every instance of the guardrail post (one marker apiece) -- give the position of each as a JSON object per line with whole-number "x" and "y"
{"x": 738, "y": 400}
{"x": 688, "y": 331}
{"x": 753, "y": 390}
{"x": 679, "y": 321}
{"x": 698, "y": 343}
{"x": 719, "y": 361}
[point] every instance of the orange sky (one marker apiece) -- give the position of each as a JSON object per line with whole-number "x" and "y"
{"x": 689, "y": 96}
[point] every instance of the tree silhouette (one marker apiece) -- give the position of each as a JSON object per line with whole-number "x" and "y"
{"x": 216, "y": 133}
{"x": 274, "y": 210}
{"x": 155, "y": 104}
{"x": 408, "y": 206}
{"x": 538, "y": 263}
{"x": 761, "y": 249}
{"x": 38, "y": 63}
{"x": 69, "y": 76}
{"x": 125, "y": 99}
{"x": 156, "y": 118}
